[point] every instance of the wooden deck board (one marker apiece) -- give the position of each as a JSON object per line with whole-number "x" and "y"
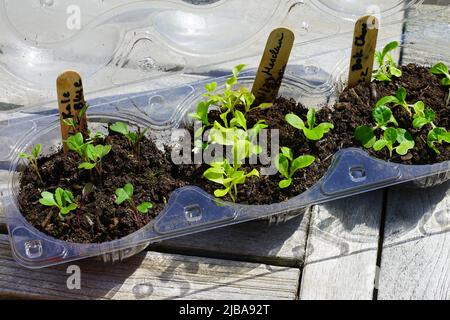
{"x": 151, "y": 275}
{"x": 415, "y": 261}
{"x": 342, "y": 249}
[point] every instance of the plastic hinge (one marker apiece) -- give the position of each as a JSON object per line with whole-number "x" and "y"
{"x": 191, "y": 208}
{"x": 354, "y": 170}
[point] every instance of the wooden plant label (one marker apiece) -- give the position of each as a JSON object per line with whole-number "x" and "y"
{"x": 71, "y": 101}
{"x": 273, "y": 64}
{"x": 363, "y": 51}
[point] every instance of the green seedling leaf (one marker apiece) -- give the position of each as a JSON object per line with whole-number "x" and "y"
{"x": 285, "y": 183}
{"x": 366, "y": 136}
{"x": 121, "y": 196}
{"x": 120, "y": 127}
{"x": 144, "y": 207}
{"x": 311, "y": 118}
{"x": 211, "y": 87}
{"x": 441, "y": 69}
{"x": 62, "y": 199}
{"x": 311, "y": 132}
{"x": 287, "y": 166}
{"x": 295, "y": 121}
{"x": 387, "y": 68}
{"x": 47, "y": 199}
{"x": 129, "y": 189}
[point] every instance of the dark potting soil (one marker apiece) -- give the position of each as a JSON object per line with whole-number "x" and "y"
{"x": 98, "y": 218}
{"x": 155, "y": 177}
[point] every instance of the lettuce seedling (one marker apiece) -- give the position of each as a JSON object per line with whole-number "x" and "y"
{"x": 62, "y": 199}
{"x": 32, "y": 159}
{"x": 392, "y": 136}
{"x": 230, "y": 175}
{"x": 383, "y": 116}
{"x": 134, "y": 138}
{"x": 423, "y": 116}
{"x": 437, "y": 135}
{"x": 398, "y": 100}
{"x": 288, "y": 166}
{"x": 126, "y": 194}
{"x": 442, "y": 70}
{"x": 387, "y": 68}
{"x": 310, "y": 130}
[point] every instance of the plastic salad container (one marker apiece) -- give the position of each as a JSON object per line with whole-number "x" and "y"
{"x": 314, "y": 77}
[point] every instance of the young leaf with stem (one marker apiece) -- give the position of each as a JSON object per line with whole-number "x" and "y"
{"x": 437, "y": 135}
{"x": 126, "y": 194}
{"x": 398, "y": 100}
{"x": 91, "y": 155}
{"x": 230, "y": 175}
{"x": 442, "y": 70}
{"x": 387, "y": 68}
{"x": 133, "y": 137}
{"x": 310, "y": 130}
{"x": 62, "y": 199}
{"x": 288, "y": 166}
{"x": 32, "y": 159}
{"x": 383, "y": 116}
{"x": 423, "y": 116}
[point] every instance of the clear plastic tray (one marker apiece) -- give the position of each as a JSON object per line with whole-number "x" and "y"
{"x": 315, "y": 76}
{"x": 113, "y": 42}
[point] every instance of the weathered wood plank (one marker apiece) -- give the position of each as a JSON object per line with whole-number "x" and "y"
{"x": 341, "y": 249}
{"x": 415, "y": 261}
{"x": 282, "y": 244}
{"x": 151, "y": 275}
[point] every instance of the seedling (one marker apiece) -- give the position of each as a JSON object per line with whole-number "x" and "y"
{"x": 439, "y": 136}
{"x": 92, "y": 155}
{"x": 387, "y": 68}
{"x": 423, "y": 116}
{"x": 227, "y": 100}
{"x": 310, "y": 130}
{"x": 230, "y": 175}
{"x": 382, "y": 116}
{"x": 288, "y": 166}
{"x": 62, "y": 199}
{"x": 126, "y": 194}
{"x": 32, "y": 159}
{"x": 398, "y": 100}
{"x": 133, "y": 137}
{"x": 74, "y": 122}
{"x": 441, "y": 69}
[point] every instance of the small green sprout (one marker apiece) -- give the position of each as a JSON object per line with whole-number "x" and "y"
{"x": 288, "y": 166}
{"x": 398, "y": 100}
{"x": 423, "y": 116}
{"x": 392, "y": 136}
{"x": 74, "y": 122}
{"x": 383, "y": 116}
{"x": 62, "y": 199}
{"x": 32, "y": 159}
{"x": 439, "y": 136}
{"x": 126, "y": 194}
{"x": 92, "y": 155}
{"x": 441, "y": 69}
{"x": 227, "y": 100}
{"x": 95, "y": 156}
{"x": 387, "y": 68}
{"x": 231, "y": 175}
{"x": 133, "y": 137}
{"x": 311, "y": 131}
